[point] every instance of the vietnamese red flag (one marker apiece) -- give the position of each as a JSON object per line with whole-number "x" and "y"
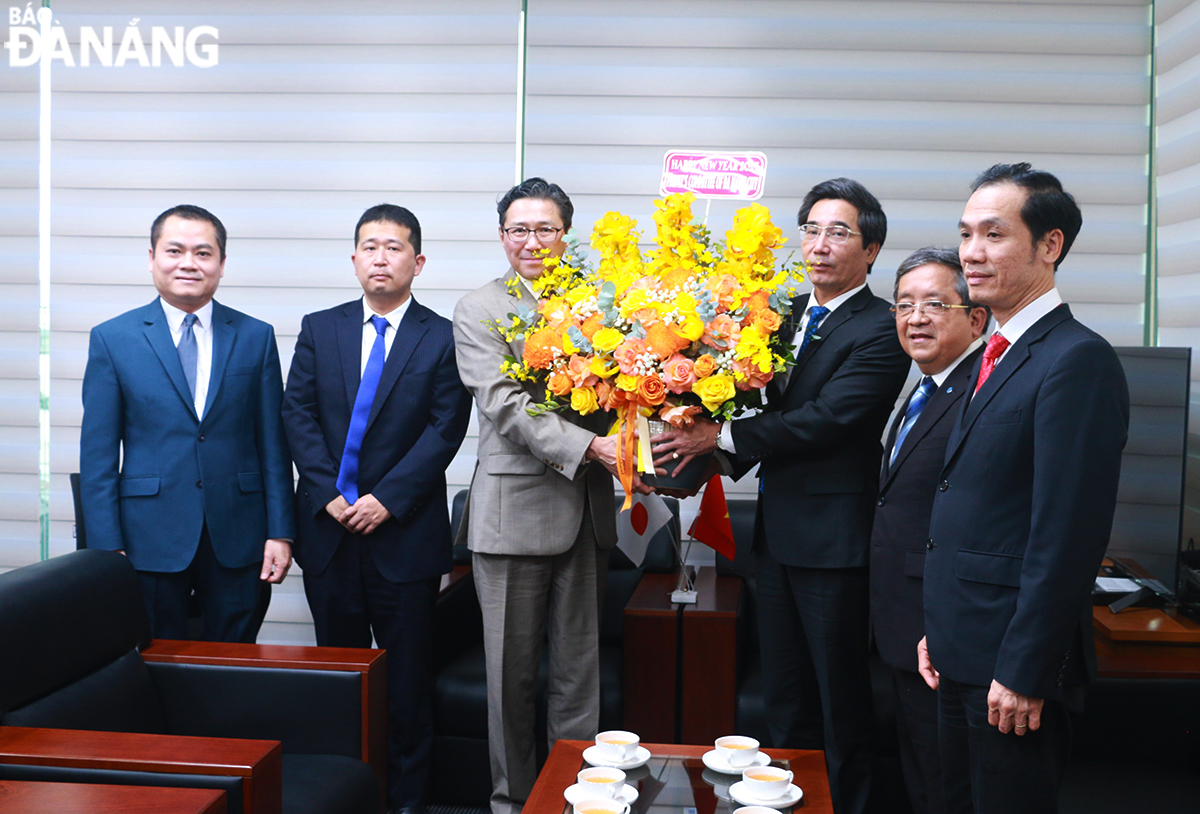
{"x": 711, "y": 525}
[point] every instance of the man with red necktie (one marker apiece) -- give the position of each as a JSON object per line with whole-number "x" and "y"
{"x": 1023, "y": 510}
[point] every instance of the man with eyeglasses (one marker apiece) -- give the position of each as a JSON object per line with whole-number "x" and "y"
{"x": 541, "y": 517}
{"x": 818, "y": 448}
{"x": 941, "y": 329}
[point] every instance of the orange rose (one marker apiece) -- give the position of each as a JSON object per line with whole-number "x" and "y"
{"x": 704, "y": 366}
{"x": 766, "y": 320}
{"x": 580, "y": 372}
{"x": 560, "y": 383}
{"x": 651, "y": 391}
{"x": 758, "y": 301}
{"x": 680, "y": 375}
{"x": 681, "y": 416}
{"x": 662, "y": 341}
{"x": 722, "y": 333}
{"x": 604, "y": 391}
{"x": 723, "y": 287}
{"x": 647, "y": 316}
{"x": 626, "y": 356}
{"x": 755, "y": 379}
{"x": 540, "y": 348}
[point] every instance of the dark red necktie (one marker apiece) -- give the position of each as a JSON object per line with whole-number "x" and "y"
{"x": 991, "y": 354}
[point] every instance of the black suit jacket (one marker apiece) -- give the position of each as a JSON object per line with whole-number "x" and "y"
{"x": 417, "y": 422}
{"x": 906, "y": 490}
{"x": 818, "y": 442}
{"x": 1023, "y": 512}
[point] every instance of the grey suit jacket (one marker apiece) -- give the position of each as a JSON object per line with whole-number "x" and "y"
{"x": 531, "y": 481}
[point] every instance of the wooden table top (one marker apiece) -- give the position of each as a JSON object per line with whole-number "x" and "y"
{"x": 566, "y": 759}
{"x": 29, "y": 797}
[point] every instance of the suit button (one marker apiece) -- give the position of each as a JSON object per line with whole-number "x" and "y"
{"x": 199, "y": 484}
{"x": 931, "y": 545}
{"x": 201, "y": 437}
{"x": 943, "y": 486}
{"x": 882, "y": 501}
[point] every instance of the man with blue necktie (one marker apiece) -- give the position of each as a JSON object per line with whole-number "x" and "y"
{"x": 375, "y": 412}
{"x": 941, "y": 329}
{"x": 182, "y": 457}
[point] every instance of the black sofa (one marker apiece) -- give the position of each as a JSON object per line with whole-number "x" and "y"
{"x": 461, "y": 771}
{"x": 86, "y": 697}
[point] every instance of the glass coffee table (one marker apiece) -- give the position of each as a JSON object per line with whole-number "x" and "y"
{"x": 676, "y": 781}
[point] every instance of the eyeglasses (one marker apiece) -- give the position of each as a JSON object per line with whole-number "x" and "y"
{"x": 932, "y": 308}
{"x": 834, "y": 234}
{"x": 542, "y": 233}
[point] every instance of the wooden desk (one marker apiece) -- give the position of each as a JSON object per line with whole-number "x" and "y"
{"x": 28, "y": 797}
{"x": 1145, "y": 642}
{"x": 566, "y": 759}
{"x": 651, "y": 636}
{"x": 710, "y": 658}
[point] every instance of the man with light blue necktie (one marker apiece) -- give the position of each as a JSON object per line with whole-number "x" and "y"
{"x": 375, "y": 412}
{"x": 182, "y": 457}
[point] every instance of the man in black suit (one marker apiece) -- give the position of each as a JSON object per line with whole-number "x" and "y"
{"x": 941, "y": 329}
{"x": 818, "y": 450}
{"x": 1023, "y": 510}
{"x": 375, "y": 412}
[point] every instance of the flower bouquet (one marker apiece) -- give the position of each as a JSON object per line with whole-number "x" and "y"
{"x": 685, "y": 329}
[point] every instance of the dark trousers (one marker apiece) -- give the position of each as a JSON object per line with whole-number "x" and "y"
{"x": 812, "y": 627}
{"x": 232, "y": 601}
{"x": 350, "y": 600}
{"x": 987, "y": 772}
{"x": 917, "y": 725}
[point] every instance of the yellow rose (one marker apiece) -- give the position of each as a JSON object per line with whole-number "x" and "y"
{"x": 603, "y": 368}
{"x": 627, "y": 383}
{"x": 583, "y": 400}
{"x": 606, "y": 340}
{"x": 714, "y": 391}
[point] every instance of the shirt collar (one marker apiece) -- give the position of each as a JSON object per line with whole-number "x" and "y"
{"x": 175, "y": 315}
{"x": 835, "y": 303}
{"x": 393, "y": 318}
{"x": 940, "y": 377}
{"x": 1024, "y": 319}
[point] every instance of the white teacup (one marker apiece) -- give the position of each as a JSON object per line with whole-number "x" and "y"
{"x": 600, "y": 781}
{"x": 766, "y": 782}
{"x": 737, "y": 750}
{"x": 604, "y": 805}
{"x": 755, "y": 810}
{"x": 617, "y": 745}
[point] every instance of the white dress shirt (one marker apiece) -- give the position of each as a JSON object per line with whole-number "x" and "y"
{"x": 940, "y": 377}
{"x": 204, "y": 345}
{"x": 725, "y": 440}
{"x": 1024, "y": 319}
{"x": 389, "y": 333}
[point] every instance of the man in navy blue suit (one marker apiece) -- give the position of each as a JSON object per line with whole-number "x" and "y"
{"x": 1023, "y": 508}
{"x": 182, "y": 457}
{"x": 375, "y": 412}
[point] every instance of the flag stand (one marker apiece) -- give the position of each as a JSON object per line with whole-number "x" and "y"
{"x": 685, "y": 589}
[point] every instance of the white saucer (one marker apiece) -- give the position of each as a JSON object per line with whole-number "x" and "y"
{"x": 594, "y": 756}
{"x": 713, "y": 761}
{"x": 574, "y": 794}
{"x": 792, "y": 796}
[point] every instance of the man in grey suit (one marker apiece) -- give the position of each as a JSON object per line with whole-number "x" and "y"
{"x": 540, "y": 518}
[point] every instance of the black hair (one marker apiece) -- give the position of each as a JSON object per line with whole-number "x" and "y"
{"x": 390, "y": 213}
{"x": 871, "y": 220}
{"x": 940, "y": 256}
{"x": 540, "y": 189}
{"x": 1047, "y": 205}
{"x": 188, "y": 212}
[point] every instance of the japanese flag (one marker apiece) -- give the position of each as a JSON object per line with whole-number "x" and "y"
{"x": 637, "y": 525}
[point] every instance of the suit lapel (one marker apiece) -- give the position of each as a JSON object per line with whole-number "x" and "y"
{"x": 224, "y": 337}
{"x": 1017, "y": 355}
{"x": 159, "y": 337}
{"x": 349, "y": 340}
{"x": 945, "y": 397}
{"x": 831, "y": 323}
{"x": 411, "y": 329}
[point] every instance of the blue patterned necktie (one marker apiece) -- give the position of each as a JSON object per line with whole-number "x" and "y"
{"x": 815, "y": 315}
{"x": 347, "y": 481}
{"x": 915, "y": 405}
{"x": 189, "y": 352}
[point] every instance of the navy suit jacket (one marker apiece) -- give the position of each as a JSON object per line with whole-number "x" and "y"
{"x": 901, "y": 530}
{"x": 1023, "y": 513}
{"x": 417, "y": 422}
{"x": 819, "y": 440}
{"x": 153, "y": 473}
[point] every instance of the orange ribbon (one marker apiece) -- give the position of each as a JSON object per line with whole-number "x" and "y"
{"x": 625, "y": 444}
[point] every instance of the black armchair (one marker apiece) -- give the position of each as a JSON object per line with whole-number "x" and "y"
{"x": 461, "y": 771}
{"x": 85, "y": 696}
